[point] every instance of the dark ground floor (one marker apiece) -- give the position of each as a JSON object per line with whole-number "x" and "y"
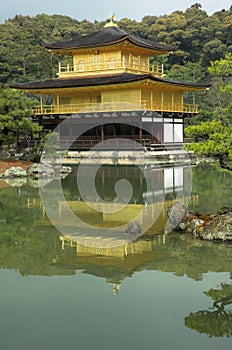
{"x": 115, "y": 130}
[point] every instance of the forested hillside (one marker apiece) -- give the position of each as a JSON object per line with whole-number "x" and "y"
{"x": 198, "y": 38}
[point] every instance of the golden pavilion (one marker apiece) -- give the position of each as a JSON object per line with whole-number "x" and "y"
{"x": 112, "y": 88}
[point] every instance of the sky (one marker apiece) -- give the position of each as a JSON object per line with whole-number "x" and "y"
{"x": 100, "y": 9}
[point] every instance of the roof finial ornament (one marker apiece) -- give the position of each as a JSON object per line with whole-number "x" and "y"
{"x": 111, "y": 23}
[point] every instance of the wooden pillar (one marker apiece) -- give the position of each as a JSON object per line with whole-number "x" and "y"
{"x": 140, "y": 134}
{"x": 70, "y": 131}
{"x": 102, "y": 133}
{"x": 57, "y": 103}
{"x": 152, "y": 107}
{"x": 41, "y": 104}
{"x": 123, "y": 62}
{"x": 132, "y": 130}
{"x": 152, "y": 132}
{"x": 130, "y": 60}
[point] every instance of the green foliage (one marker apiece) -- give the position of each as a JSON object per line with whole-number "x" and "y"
{"x": 222, "y": 67}
{"x": 211, "y": 139}
{"x": 189, "y": 72}
{"x": 15, "y": 116}
{"x": 203, "y": 131}
{"x": 214, "y": 138}
{"x": 220, "y": 94}
{"x": 24, "y": 245}
{"x": 22, "y": 56}
{"x": 220, "y": 295}
{"x": 216, "y": 322}
{"x": 198, "y": 38}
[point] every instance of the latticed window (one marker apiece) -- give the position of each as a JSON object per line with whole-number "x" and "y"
{"x": 135, "y": 61}
{"x": 96, "y": 61}
{"x": 112, "y": 63}
{"x": 64, "y": 100}
{"x": 81, "y": 66}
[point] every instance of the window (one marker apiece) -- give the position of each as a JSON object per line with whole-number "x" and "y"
{"x": 143, "y": 63}
{"x": 173, "y": 132}
{"x": 96, "y": 58}
{"x": 81, "y": 66}
{"x": 178, "y": 132}
{"x": 96, "y": 61}
{"x": 135, "y": 61}
{"x": 95, "y": 99}
{"x": 168, "y": 132}
{"x": 65, "y": 100}
{"x": 112, "y": 63}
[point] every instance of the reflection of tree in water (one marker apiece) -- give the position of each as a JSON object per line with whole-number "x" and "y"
{"x": 217, "y": 321}
{"x": 23, "y": 246}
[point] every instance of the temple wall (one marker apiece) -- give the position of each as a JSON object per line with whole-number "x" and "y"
{"x": 88, "y": 61}
{"x": 132, "y": 97}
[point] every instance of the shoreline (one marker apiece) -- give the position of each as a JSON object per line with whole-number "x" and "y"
{"x": 6, "y": 164}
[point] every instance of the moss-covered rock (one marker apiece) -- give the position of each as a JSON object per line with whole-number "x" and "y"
{"x": 220, "y": 228}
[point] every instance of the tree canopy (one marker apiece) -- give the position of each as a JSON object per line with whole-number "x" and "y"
{"x": 216, "y": 322}
{"x": 212, "y": 139}
{"x": 15, "y": 113}
{"x": 198, "y": 37}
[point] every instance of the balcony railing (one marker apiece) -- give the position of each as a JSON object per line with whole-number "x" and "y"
{"x": 106, "y": 66}
{"x": 112, "y": 107}
{"x": 120, "y": 142}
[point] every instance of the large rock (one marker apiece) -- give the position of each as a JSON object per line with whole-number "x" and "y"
{"x": 208, "y": 227}
{"x": 40, "y": 170}
{"x": 194, "y": 225}
{"x": 177, "y": 215}
{"x": 62, "y": 170}
{"x": 220, "y": 228}
{"x": 14, "y": 172}
{"x": 133, "y": 228}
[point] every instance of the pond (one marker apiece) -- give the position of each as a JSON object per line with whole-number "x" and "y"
{"x": 156, "y": 290}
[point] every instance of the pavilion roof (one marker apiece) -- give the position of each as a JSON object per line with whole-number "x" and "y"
{"x": 88, "y": 81}
{"x": 105, "y": 37}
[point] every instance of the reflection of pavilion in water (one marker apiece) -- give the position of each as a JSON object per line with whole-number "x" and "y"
{"x": 172, "y": 184}
{"x": 108, "y": 211}
{"x": 137, "y": 247}
{"x": 166, "y": 182}
{"x": 135, "y": 252}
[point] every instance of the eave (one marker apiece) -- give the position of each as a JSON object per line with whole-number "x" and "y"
{"x": 108, "y": 82}
{"x": 107, "y": 37}
{"x": 118, "y": 45}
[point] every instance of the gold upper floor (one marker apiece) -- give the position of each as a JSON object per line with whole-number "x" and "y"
{"x": 95, "y": 62}
{"x": 83, "y": 68}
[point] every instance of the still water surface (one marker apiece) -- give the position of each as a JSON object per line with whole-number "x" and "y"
{"x": 157, "y": 292}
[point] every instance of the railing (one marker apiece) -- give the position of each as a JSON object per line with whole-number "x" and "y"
{"x": 170, "y": 107}
{"x": 116, "y": 65}
{"x": 111, "y": 107}
{"x": 120, "y": 142}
